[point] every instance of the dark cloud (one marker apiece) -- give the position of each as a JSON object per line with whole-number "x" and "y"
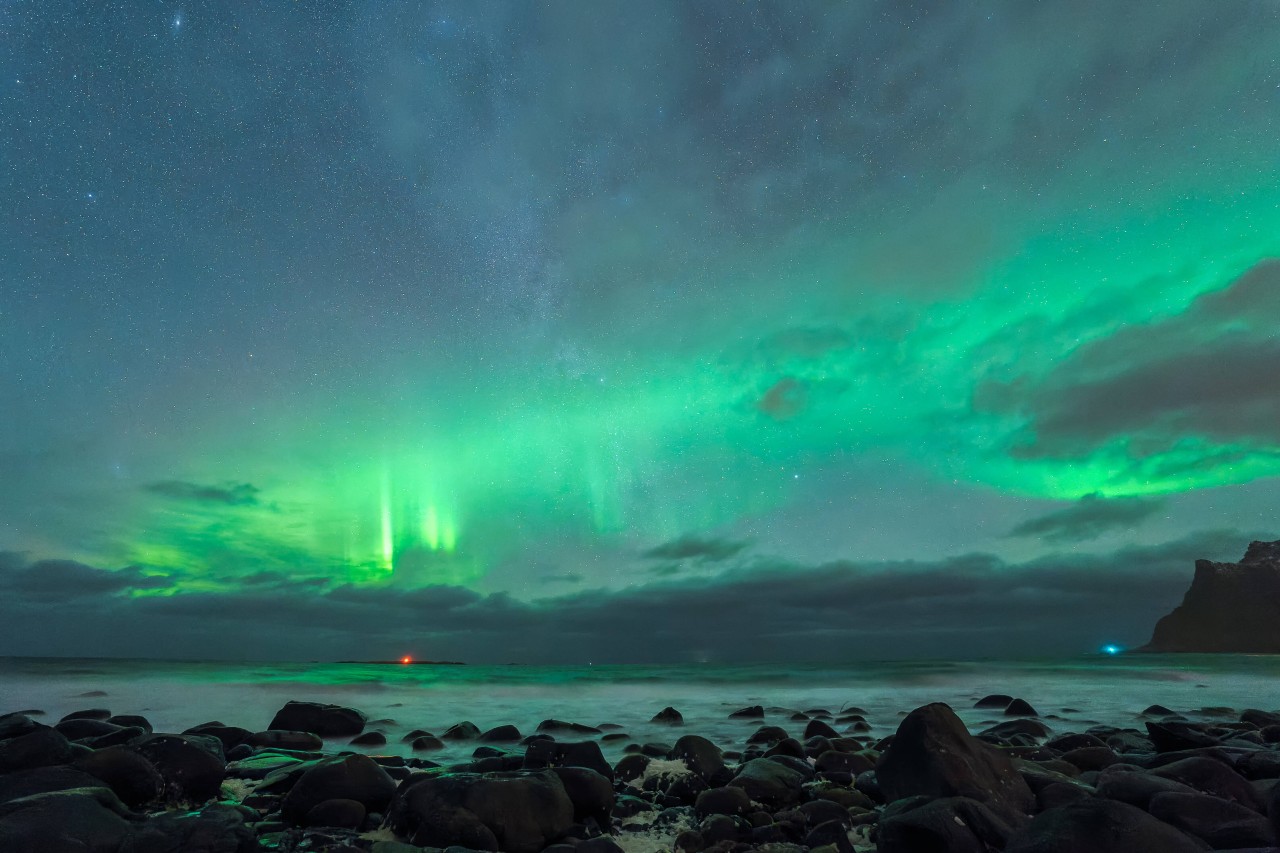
{"x": 231, "y": 494}
{"x": 785, "y": 399}
{"x": 67, "y": 580}
{"x": 695, "y": 548}
{"x": 969, "y": 606}
{"x": 1089, "y": 518}
{"x": 1210, "y": 373}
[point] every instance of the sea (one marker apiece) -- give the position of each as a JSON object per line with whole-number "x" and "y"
{"x": 1070, "y": 695}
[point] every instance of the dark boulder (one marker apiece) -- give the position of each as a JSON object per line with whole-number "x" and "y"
{"x": 1099, "y": 826}
{"x": 341, "y": 813}
{"x": 369, "y": 739}
{"x": 934, "y": 755}
{"x": 1220, "y": 823}
{"x": 214, "y": 829}
{"x": 751, "y": 712}
{"x": 342, "y": 777}
{"x": 191, "y": 770}
{"x": 728, "y": 800}
{"x": 465, "y": 730}
{"x": 80, "y": 728}
{"x": 592, "y": 795}
{"x": 770, "y": 783}
{"x": 1174, "y": 736}
{"x": 1136, "y": 787}
{"x": 130, "y": 721}
{"x": 520, "y": 812}
{"x": 426, "y": 743}
{"x": 702, "y": 757}
{"x": 80, "y": 820}
{"x": 229, "y": 736}
{"x": 817, "y": 728}
{"x": 562, "y": 727}
{"x": 1212, "y": 777}
{"x": 500, "y": 734}
{"x": 549, "y": 753}
{"x": 133, "y": 778}
{"x": 946, "y": 825}
{"x": 319, "y": 719}
{"x": 41, "y": 780}
{"x": 668, "y": 716}
{"x": 280, "y": 739}
{"x": 1020, "y": 708}
{"x": 38, "y": 746}
{"x": 88, "y": 714}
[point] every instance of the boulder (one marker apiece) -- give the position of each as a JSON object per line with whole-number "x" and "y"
{"x": 283, "y": 739}
{"x": 1220, "y": 823}
{"x": 500, "y": 734}
{"x": 946, "y": 825}
{"x": 549, "y": 753}
{"x": 1099, "y": 826}
{"x": 342, "y": 813}
{"x": 934, "y": 755}
{"x": 80, "y": 820}
{"x": 1212, "y": 777}
{"x": 770, "y": 783}
{"x": 519, "y": 812}
{"x": 319, "y": 719}
{"x": 702, "y": 757}
{"x": 37, "y": 746}
{"x": 192, "y": 772}
{"x": 668, "y": 716}
{"x": 729, "y": 800}
{"x": 341, "y": 777}
{"x": 214, "y": 829}
{"x": 592, "y": 794}
{"x": 133, "y": 778}
{"x": 41, "y": 780}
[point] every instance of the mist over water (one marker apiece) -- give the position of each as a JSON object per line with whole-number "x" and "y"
{"x": 1070, "y": 694}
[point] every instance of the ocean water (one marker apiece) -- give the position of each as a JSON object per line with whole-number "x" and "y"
{"x": 1070, "y": 694}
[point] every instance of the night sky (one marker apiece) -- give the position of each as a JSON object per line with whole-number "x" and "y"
{"x": 631, "y": 331}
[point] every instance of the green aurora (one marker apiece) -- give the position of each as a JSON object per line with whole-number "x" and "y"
{"x": 526, "y": 311}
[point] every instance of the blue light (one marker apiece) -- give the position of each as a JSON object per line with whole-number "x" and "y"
{"x": 1111, "y": 649}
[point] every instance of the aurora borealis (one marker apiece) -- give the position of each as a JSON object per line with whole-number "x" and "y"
{"x": 527, "y": 310}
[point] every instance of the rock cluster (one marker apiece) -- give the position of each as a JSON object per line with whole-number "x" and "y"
{"x": 93, "y": 782}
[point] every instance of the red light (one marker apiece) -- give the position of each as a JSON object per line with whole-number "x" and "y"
{"x": 406, "y": 659}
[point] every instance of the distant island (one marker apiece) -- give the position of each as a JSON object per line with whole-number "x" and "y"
{"x": 1229, "y": 608}
{"x": 409, "y": 662}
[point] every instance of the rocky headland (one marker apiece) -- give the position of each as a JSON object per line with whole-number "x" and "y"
{"x": 814, "y": 779}
{"x": 1230, "y": 607}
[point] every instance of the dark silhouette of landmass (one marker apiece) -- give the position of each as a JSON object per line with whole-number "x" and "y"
{"x": 1230, "y": 607}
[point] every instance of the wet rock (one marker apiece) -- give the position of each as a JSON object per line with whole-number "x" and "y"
{"x": 702, "y": 757}
{"x": 191, "y": 770}
{"x": 842, "y": 766}
{"x": 425, "y": 743}
{"x": 278, "y": 739}
{"x": 12, "y": 725}
{"x": 1091, "y": 757}
{"x": 369, "y": 739}
{"x": 42, "y": 780}
{"x": 1099, "y": 826}
{"x": 466, "y": 730}
{"x": 38, "y": 746}
{"x": 553, "y": 754}
{"x": 592, "y": 794}
{"x": 631, "y": 767}
{"x": 345, "y": 777}
{"x": 819, "y": 728}
{"x": 946, "y": 825}
{"x": 229, "y": 736}
{"x": 769, "y": 782}
{"x": 133, "y": 778}
{"x": 1220, "y": 823}
{"x": 1020, "y": 708}
{"x": 994, "y": 700}
{"x": 501, "y": 734}
{"x": 934, "y": 755}
{"x": 88, "y": 714}
{"x": 83, "y": 820}
{"x": 130, "y": 721}
{"x": 751, "y": 712}
{"x": 1212, "y": 777}
{"x": 520, "y": 812}
{"x": 727, "y": 800}
{"x": 319, "y": 719}
{"x": 560, "y": 726}
{"x": 214, "y": 829}
{"x": 342, "y": 813}
{"x": 668, "y": 716}
{"x": 82, "y": 727}
{"x": 1158, "y": 711}
{"x": 1173, "y": 736}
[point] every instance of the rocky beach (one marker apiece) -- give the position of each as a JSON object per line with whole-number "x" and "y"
{"x": 326, "y": 778}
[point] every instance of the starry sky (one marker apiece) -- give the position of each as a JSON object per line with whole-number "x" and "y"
{"x": 711, "y": 331}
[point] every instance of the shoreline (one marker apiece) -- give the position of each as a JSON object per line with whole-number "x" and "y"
{"x": 323, "y": 777}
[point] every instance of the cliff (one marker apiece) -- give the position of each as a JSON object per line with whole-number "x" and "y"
{"x": 1230, "y": 607}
